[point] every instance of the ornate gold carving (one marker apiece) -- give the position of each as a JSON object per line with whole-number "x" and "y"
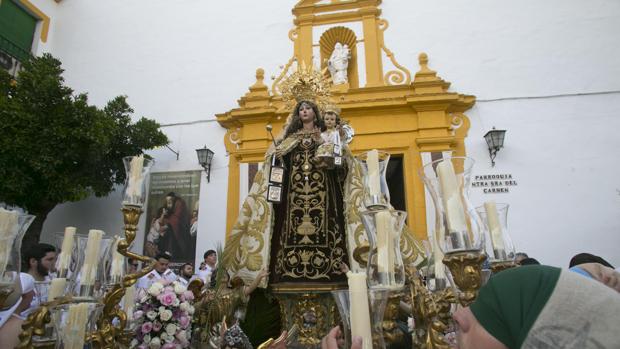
{"x": 496, "y": 267}
{"x": 305, "y": 84}
{"x": 431, "y": 313}
{"x": 311, "y": 316}
{"x": 466, "y": 271}
{"x": 276, "y": 83}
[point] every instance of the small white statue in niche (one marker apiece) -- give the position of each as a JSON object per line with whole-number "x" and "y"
{"x": 338, "y": 63}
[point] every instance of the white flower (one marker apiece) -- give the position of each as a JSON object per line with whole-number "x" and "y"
{"x": 147, "y": 338}
{"x": 155, "y": 289}
{"x": 144, "y": 299}
{"x": 151, "y": 315}
{"x": 165, "y": 315}
{"x": 134, "y": 343}
{"x": 171, "y": 329}
{"x": 178, "y": 288}
{"x": 176, "y": 302}
{"x": 182, "y": 336}
{"x": 166, "y": 337}
{"x": 184, "y": 306}
{"x": 191, "y": 310}
{"x": 155, "y": 343}
{"x": 162, "y": 309}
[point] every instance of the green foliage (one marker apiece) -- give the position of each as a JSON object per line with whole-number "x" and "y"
{"x": 55, "y": 147}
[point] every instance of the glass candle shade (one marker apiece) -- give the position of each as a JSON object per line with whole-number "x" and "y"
{"x": 376, "y": 192}
{"x": 385, "y": 268}
{"x": 458, "y": 227}
{"x": 73, "y": 322}
{"x": 13, "y": 226}
{"x": 90, "y": 288}
{"x": 377, "y": 300}
{"x": 136, "y": 170}
{"x": 114, "y": 264}
{"x": 499, "y": 244}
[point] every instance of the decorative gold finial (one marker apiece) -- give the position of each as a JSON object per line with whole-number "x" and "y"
{"x": 423, "y": 59}
{"x": 260, "y": 76}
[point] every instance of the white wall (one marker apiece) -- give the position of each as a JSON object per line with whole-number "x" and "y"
{"x": 187, "y": 60}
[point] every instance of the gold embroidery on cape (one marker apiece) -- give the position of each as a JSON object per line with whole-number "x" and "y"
{"x": 309, "y": 242}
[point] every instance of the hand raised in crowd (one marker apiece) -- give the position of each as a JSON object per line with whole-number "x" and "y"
{"x": 334, "y": 338}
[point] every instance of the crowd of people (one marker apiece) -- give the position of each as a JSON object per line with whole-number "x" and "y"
{"x": 529, "y": 306}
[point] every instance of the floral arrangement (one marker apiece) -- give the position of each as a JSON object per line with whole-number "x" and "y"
{"x": 163, "y": 317}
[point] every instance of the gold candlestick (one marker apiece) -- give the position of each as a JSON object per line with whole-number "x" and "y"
{"x": 496, "y": 267}
{"x": 466, "y": 270}
{"x": 109, "y": 335}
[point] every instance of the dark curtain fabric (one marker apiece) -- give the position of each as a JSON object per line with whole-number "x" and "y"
{"x": 309, "y": 242}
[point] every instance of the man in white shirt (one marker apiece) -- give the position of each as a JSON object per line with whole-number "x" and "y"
{"x": 210, "y": 259}
{"x": 160, "y": 272}
{"x": 40, "y": 260}
{"x": 186, "y": 274}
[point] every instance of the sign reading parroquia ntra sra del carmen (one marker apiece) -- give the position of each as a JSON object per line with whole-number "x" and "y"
{"x": 494, "y": 183}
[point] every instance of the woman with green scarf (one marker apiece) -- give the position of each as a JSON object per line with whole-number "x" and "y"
{"x": 540, "y": 307}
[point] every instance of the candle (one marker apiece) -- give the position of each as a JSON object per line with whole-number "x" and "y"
{"x": 453, "y": 206}
{"x": 116, "y": 268}
{"x": 8, "y": 231}
{"x": 134, "y": 185}
{"x": 495, "y": 228}
{"x": 129, "y": 301}
{"x": 75, "y": 331}
{"x": 57, "y": 288}
{"x": 91, "y": 257}
{"x": 64, "y": 258}
{"x": 385, "y": 255}
{"x": 440, "y": 272}
{"x": 372, "y": 162}
{"x": 359, "y": 312}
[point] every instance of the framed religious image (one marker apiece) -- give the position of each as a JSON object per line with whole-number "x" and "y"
{"x": 274, "y": 193}
{"x": 338, "y": 161}
{"x": 337, "y": 149}
{"x": 276, "y": 175}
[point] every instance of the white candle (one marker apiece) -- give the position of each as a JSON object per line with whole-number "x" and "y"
{"x": 91, "y": 257}
{"x": 8, "y": 231}
{"x": 385, "y": 255}
{"x": 453, "y": 206}
{"x": 129, "y": 301}
{"x": 75, "y": 331}
{"x": 440, "y": 272}
{"x": 57, "y": 288}
{"x": 374, "y": 182}
{"x": 64, "y": 258}
{"x": 134, "y": 186}
{"x": 359, "y": 311}
{"x": 495, "y": 227}
{"x": 116, "y": 267}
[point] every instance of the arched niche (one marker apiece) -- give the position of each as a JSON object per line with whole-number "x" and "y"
{"x": 345, "y": 36}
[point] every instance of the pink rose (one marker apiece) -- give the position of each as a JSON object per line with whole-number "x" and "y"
{"x": 138, "y": 314}
{"x": 164, "y": 282}
{"x": 167, "y": 298}
{"x": 184, "y": 321}
{"x": 142, "y": 346}
{"x": 157, "y": 326}
{"x": 169, "y": 289}
{"x": 147, "y": 327}
{"x": 169, "y": 346}
{"x": 189, "y": 295}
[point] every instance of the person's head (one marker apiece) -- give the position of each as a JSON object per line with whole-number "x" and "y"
{"x": 40, "y": 259}
{"x": 506, "y": 308}
{"x": 163, "y": 259}
{"x": 305, "y": 111}
{"x": 171, "y": 198}
{"x": 132, "y": 265}
{"x": 187, "y": 270}
{"x": 519, "y": 256}
{"x": 331, "y": 119}
{"x": 210, "y": 258}
{"x": 471, "y": 334}
{"x": 583, "y": 258}
{"x": 529, "y": 261}
{"x": 202, "y": 265}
